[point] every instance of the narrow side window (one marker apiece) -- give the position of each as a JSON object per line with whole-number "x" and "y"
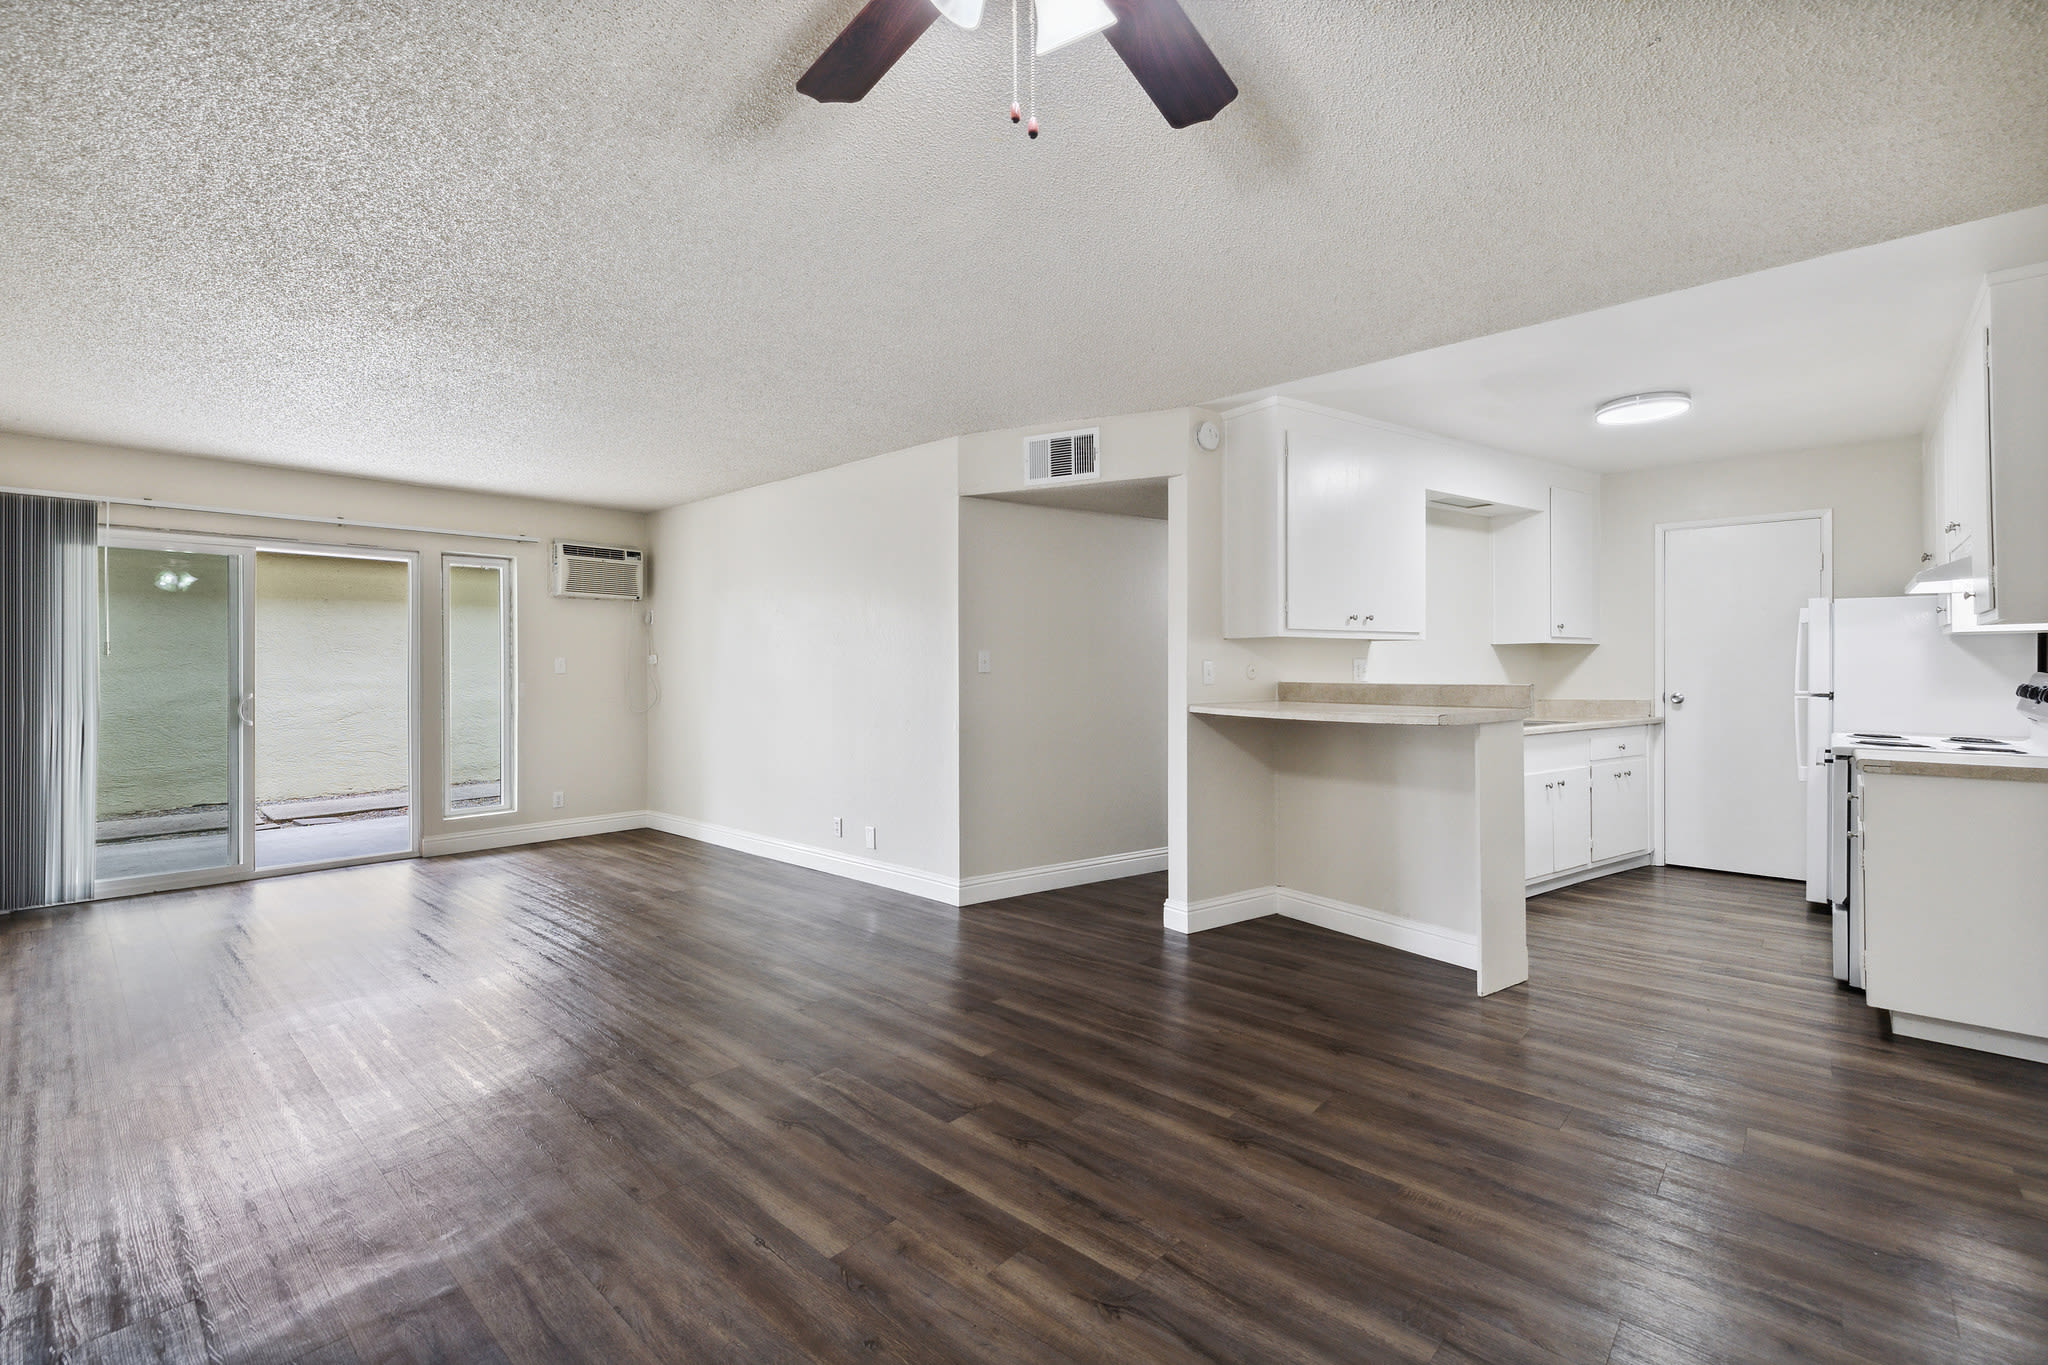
{"x": 479, "y": 729}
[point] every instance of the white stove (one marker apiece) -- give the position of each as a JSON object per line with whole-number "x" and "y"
{"x": 1947, "y": 744}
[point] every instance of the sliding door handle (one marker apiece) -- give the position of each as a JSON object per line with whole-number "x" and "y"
{"x": 246, "y": 709}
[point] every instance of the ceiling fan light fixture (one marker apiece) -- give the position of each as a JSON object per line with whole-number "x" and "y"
{"x": 1061, "y": 22}
{"x": 965, "y": 13}
{"x": 1638, "y": 408}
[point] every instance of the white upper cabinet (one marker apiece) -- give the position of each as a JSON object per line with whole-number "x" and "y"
{"x": 1324, "y": 529}
{"x": 1574, "y": 565}
{"x": 1546, "y": 573}
{"x": 1986, "y": 451}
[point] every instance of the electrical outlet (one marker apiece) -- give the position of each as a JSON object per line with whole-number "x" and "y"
{"x": 981, "y": 662}
{"x": 558, "y": 800}
{"x": 1208, "y": 670}
{"x": 839, "y": 827}
{"x": 871, "y": 836}
{"x": 1358, "y": 670}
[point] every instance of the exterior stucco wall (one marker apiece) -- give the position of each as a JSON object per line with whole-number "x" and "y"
{"x": 166, "y": 704}
{"x": 332, "y": 635}
{"x": 331, "y": 642}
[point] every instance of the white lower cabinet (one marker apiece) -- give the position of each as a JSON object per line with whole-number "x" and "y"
{"x": 1559, "y": 809}
{"x": 1585, "y": 800}
{"x": 1621, "y": 808}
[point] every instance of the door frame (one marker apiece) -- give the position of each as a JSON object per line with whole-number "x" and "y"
{"x": 1826, "y": 517}
{"x": 242, "y": 819}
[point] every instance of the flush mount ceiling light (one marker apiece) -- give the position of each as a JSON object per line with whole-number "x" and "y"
{"x": 1638, "y": 408}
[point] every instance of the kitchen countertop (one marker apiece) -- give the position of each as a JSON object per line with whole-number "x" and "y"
{"x": 1356, "y": 713}
{"x": 1557, "y": 727}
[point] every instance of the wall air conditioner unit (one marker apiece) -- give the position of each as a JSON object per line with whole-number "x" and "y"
{"x": 1063, "y": 455}
{"x": 610, "y": 572}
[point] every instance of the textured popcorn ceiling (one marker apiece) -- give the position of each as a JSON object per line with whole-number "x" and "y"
{"x": 604, "y": 252}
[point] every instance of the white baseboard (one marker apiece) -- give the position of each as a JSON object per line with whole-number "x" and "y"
{"x": 1587, "y": 874}
{"x": 1214, "y": 913}
{"x": 995, "y": 886}
{"x": 1965, "y": 1035}
{"x": 1375, "y": 926}
{"x": 537, "y": 832}
{"x": 1416, "y": 936}
{"x": 873, "y": 871}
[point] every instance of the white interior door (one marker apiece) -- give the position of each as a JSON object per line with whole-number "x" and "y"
{"x": 1732, "y": 596}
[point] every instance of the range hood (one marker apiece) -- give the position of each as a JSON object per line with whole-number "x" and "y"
{"x": 1958, "y": 575}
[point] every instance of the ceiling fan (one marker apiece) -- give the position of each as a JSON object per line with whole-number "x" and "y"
{"x": 1156, "y": 39}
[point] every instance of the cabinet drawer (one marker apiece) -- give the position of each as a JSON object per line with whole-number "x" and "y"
{"x": 1543, "y": 752}
{"x": 1620, "y": 743}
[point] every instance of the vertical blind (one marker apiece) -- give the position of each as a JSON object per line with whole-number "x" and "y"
{"x": 48, "y": 657}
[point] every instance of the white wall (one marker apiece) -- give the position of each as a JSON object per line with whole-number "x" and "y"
{"x": 808, "y": 633}
{"x": 1063, "y": 741}
{"x": 578, "y": 731}
{"x": 1875, "y": 494}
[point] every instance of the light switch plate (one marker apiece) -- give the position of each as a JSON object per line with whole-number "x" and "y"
{"x": 981, "y": 662}
{"x": 561, "y": 665}
{"x": 1208, "y": 670}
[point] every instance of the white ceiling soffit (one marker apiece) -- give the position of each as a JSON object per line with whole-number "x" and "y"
{"x": 607, "y": 253}
{"x": 1842, "y": 349}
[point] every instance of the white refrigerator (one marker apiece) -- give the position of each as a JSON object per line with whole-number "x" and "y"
{"x": 1884, "y": 665}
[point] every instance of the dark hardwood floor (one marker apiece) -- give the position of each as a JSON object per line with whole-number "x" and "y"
{"x": 634, "y": 1099}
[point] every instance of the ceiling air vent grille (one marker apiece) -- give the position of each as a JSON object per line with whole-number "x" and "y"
{"x": 1062, "y": 455}
{"x": 600, "y": 571}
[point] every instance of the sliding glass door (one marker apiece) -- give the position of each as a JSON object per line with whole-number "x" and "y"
{"x": 173, "y": 716}
{"x": 257, "y": 710}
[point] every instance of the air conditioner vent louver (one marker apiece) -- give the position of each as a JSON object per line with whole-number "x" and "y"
{"x": 600, "y": 571}
{"x": 1062, "y": 455}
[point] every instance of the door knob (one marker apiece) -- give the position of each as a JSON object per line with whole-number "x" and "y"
{"x": 1678, "y": 698}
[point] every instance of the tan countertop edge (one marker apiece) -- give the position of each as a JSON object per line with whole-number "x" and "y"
{"x": 1532, "y": 726}
{"x": 1355, "y": 713}
{"x": 1995, "y": 772}
{"x": 1443, "y": 696}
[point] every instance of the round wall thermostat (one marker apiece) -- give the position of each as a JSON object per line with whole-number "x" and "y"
{"x": 1208, "y": 436}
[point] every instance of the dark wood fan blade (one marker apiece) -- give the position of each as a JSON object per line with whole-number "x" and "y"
{"x": 863, "y": 53}
{"x": 1164, "y": 50}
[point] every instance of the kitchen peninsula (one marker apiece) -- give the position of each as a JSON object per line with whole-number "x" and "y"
{"x": 1392, "y": 812}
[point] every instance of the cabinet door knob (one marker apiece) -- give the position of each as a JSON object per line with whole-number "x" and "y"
{"x": 1953, "y": 526}
{"x": 1368, "y": 616}
{"x": 1678, "y": 698}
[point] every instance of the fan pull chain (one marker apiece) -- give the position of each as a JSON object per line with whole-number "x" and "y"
{"x": 1032, "y": 127}
{"x": 1016, "y": 110}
